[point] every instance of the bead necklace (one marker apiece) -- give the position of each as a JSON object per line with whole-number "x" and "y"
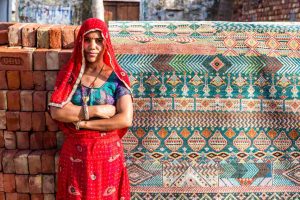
{"x": 86, "y": 98}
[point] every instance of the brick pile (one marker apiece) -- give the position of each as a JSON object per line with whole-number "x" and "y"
{"x": 266, "y": 10}
{"x": 30, "y": 57}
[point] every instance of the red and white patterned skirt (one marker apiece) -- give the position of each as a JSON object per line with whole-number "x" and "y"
{"x": 92, "y": 167}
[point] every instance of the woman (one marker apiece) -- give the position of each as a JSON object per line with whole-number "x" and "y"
{"x": 93, "y": 106}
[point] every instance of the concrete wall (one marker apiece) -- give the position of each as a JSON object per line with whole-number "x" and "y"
{"x": 179, "y": 10}
{"x": 50, "y": 11}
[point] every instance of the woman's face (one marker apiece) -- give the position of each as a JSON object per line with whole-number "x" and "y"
{"x": 93, "y": 46}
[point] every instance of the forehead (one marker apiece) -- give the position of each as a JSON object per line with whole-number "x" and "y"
{"x": 93, "y": 34}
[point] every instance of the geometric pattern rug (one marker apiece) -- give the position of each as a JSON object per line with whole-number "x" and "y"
{"x": 216, "y": 109}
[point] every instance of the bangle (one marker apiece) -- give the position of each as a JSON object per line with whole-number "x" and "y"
{"x": 77, "y": 125}
{"x": 86, "y": 112}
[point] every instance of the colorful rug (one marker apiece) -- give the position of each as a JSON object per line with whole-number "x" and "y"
{"x": 217, "y": 109}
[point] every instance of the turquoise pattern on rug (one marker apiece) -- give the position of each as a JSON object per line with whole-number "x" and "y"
{"x": 217, "y": 109}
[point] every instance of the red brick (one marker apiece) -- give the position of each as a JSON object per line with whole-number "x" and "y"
{"x": 2, "y": 195}
{"x": 68, "y": 36}
{"x": 49, "y": 98}
{"x": 10, "y": 140}
{"x": 22, "y": 140}
{"x": 13, "y": 100}
{"x": 23, "y": 196}
{"x": 38, "y": 121}
{"x": 43, "y": 36}
{"x": 39, "y": 80}
{"x": 5, "y": 25}
{"x": 21, "y": 162}
{"x": 49, "y": 197}
{"x": 22, "y": 185}
{"x": 49, "y": 140}
{"x": 2, "y": 150}
{"x": 50, "y": 123}
{"x": 36, "y": 140}
{"x": 13, "y": 80}
{"x": 56, "y": 180}
{"x": 35, "y": 162}
{"x": 11, "y": 196}
{"x": 8, "y": 161}
{"x": 26, "y": 100}
{"x": 59, "y": 139}
{"x": 3, "y": 37}
{"x": 3, "y": 100}
{"x": 48, "y": 184}
{"x": 2, "y": 119}
{"x": 3, "y": 80}
{"x": 15, "y": 34}
{"x": 9, "y": 182}
{"x": 15, "y": 59}
{"x": 50, "y": 79}
{"x": 12, "y": 48}
{"x": 27, "y": 80}
{"x": 76, "y": 32}
{"x": 52, "y": 60}
{"x": 35, "y": 184}
{"x": 56, "y": 159}
{"x": 32, "y": 49}
{"x": 25, "y": 121}
{"x": 29, "y": 35}
{"x": 1, "y": 183}
{"x": 40, "y": 100}
{"x": 13, "y": 121}
{"x": 48, "y": 161}
{"x": 55, "y": 37}
{"x": 2, "y": 142}
{"x": 37, "y": 197}
{"x": 39, "y": 59}
{"x": 64, "y": 57}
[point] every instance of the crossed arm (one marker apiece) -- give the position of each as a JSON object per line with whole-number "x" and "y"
{"x": 104, "y": 117}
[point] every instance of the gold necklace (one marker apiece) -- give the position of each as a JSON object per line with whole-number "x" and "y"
{"x": 86, "y": 98}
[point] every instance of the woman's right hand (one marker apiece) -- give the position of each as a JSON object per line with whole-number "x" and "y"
{"x": 105, "y": 111}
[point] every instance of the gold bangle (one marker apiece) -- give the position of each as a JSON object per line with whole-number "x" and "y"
{"x": 86, "y": 112}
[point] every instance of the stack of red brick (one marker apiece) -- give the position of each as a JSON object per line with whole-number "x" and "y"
{"x": 30, "y": 56}
{"x": 266, "y": 10}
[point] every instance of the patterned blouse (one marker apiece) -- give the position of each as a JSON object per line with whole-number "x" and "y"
{"x": 108, "y": 93}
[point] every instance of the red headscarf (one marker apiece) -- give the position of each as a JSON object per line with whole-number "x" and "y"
{"x": 70, "y": 75}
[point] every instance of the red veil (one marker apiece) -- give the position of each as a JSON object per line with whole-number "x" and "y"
{"x": 70, "y": 75}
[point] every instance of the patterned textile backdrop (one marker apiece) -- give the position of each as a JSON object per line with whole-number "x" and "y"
{"x": 217, "y": 109}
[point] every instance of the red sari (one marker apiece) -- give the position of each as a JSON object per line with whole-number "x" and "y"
{"x": 91, "y": 163}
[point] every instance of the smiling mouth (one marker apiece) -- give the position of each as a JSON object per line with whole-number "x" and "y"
{"x": 92, "y": 54}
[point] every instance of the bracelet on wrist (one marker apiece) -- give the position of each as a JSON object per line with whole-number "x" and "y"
{"x": 86, "y": 112}
{"x": 77, "y": 125}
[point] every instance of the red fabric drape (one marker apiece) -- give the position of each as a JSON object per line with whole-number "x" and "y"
{"x": 70, "y": 75}
{"x": 91, "y": 164}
